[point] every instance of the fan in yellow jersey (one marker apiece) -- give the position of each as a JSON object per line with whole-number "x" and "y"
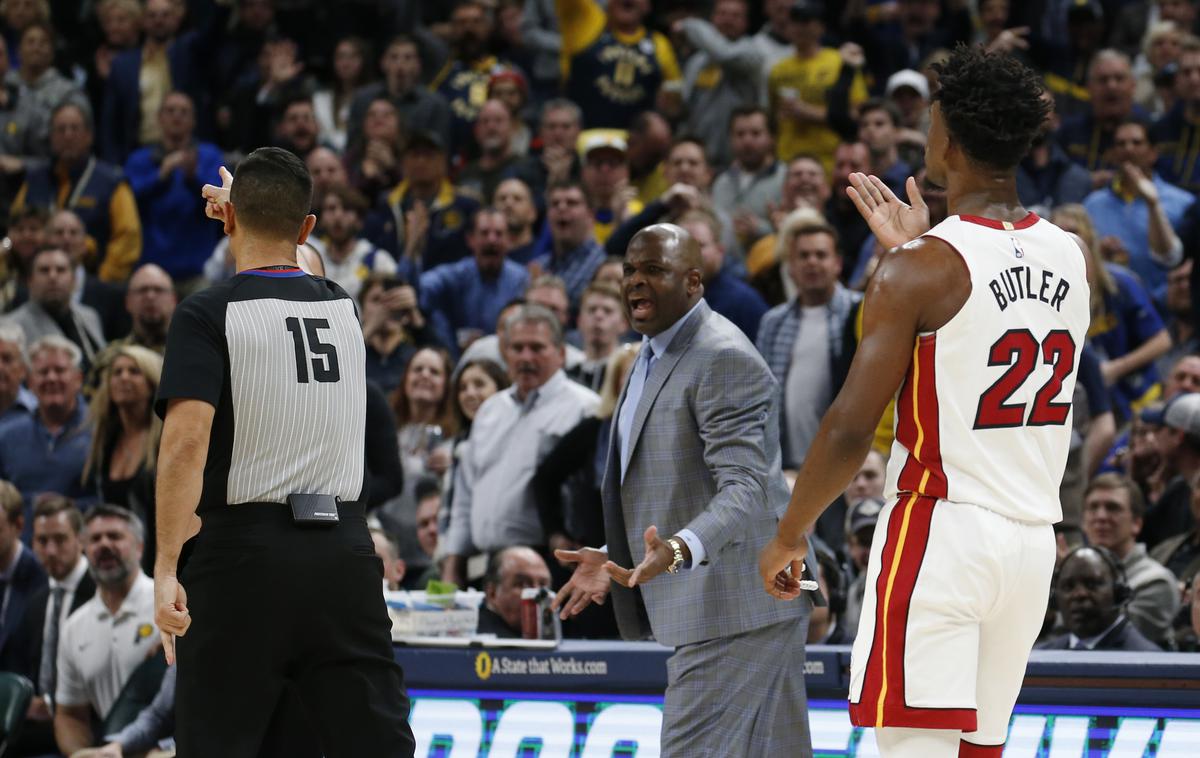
{"x": 615, "y": 68}
{"x": 799, "y": 87}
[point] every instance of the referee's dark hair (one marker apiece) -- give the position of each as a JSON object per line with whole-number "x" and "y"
{"x": 271, "y": 192}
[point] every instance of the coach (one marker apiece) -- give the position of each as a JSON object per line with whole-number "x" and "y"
{"x": 695, "y": 457}
{"x": 264, "y": 400}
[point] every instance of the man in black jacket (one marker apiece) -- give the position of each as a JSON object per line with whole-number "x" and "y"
{"x": 57, "y": 527}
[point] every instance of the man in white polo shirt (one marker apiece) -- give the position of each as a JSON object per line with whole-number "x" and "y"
{"x": 110, "y": 635}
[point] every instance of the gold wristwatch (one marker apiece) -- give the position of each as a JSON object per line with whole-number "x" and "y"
{"x": 677, "y": 550}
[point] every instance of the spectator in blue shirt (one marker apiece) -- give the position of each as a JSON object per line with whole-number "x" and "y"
{"x": 1140, "y": 208}
{"x": 45, "y": 451}
{"x": 463, "y": 300}
{"x": 515, "y": 200}
{"x": 576, "y": 254}
{"x": 1126, "y": 332}
{"x": 725, "y": 293}
{"x": 166, "y": 179}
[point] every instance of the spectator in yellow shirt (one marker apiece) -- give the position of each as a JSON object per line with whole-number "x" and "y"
{"x": 799, "y": 89}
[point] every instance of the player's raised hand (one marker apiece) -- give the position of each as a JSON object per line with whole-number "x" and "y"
{"x": 216, "y": 197}
{"x": 893, "y": 221}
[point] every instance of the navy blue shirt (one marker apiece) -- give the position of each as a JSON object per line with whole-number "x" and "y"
{"x": 457, "y": 296}
{"x": 1087, "y": 142}
{"x": 737, "y": 301}
{"x": 36, "y": 461}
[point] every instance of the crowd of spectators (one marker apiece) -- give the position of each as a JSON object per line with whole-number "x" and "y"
{"x": 479, "y": 167}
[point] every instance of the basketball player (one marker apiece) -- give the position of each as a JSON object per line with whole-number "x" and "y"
{"x": 978, "y": 323}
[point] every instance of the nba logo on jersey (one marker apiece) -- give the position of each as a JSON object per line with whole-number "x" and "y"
{"x": 1017, "y": 249}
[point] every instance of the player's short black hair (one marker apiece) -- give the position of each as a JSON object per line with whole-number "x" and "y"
{"x": 272, "y": 192}
{"x": 992, "y": 105}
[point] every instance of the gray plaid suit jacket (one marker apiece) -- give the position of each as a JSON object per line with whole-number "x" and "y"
{"x": 704, "y": 456}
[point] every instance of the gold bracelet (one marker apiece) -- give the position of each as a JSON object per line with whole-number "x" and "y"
{"x": 677, "y": 548}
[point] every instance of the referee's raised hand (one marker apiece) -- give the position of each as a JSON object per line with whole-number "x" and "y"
{"x": 216, "y": 197}
{"x": 171, "y": 614}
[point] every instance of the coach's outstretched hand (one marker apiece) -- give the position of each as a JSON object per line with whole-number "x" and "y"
{"x": 893, "y": 221}
{"x": 589, "y": 583}
{"x": 659, "y": 558}
{"x": 780, "y": 567}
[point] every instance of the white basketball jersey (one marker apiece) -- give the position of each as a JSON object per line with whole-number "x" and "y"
{"x": 984, "y": 414}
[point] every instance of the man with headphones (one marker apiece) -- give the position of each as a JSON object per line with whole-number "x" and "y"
{"x": 1090, "y": 591}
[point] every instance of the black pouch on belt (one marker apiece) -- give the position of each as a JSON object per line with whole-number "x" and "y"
{"x": 314, "y": 510}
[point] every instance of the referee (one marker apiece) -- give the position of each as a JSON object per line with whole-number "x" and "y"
{"x": 263, "y": 397}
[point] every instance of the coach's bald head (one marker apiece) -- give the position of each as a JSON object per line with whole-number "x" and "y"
{"x": 662, "y": 277}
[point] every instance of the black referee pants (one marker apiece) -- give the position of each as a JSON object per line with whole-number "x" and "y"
{"x": 274, "y": 603}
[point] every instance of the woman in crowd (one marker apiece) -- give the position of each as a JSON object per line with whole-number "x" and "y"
{"x": 1154, "y": 69}
{"x": 474, "y": 382}
{"x": 425, "y": 426}
{"x": 1126, "y": 332}
{"x": 125, "y": 433}
{"x": 332, "y": 103}
{"x": 424, "y": 420}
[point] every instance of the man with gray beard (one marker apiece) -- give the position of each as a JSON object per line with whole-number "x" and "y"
{"x": 110, "y": 635}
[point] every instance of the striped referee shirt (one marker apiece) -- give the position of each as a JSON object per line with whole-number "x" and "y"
{"x": 279, "y": 354}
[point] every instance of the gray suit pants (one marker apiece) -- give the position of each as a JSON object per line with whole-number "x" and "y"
{"x": 740, "y": 696}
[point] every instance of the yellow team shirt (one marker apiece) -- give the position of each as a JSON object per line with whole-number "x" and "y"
{"x": 809, "y": 80}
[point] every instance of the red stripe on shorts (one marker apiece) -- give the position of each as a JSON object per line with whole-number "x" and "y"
{"x": 903, "y": 554}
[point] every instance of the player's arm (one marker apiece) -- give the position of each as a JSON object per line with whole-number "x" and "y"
{"x": 916, "y": 288}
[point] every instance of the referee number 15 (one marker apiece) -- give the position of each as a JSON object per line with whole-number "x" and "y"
{"x": 324, "y": 358}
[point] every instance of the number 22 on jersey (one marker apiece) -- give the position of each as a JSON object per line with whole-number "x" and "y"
{"x": 1020, "y": 351}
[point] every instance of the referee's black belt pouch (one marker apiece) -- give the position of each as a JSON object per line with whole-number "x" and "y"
{"x": 314, "y": 510}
